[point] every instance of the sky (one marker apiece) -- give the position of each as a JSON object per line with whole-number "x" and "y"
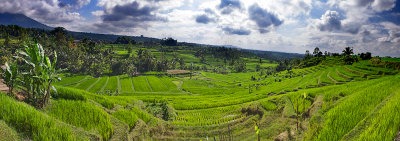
{"x": 274, "y": 25}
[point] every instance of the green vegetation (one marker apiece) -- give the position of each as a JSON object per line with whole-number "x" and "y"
{"x": 130, "y": 90}
{"x": 7, "y": 133}
{"x": 82, "y": 114}
{"x": 34, "y": 123}
{"x": 126, "y": 116}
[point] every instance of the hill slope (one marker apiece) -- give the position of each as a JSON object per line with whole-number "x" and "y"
{"x": 21, "y": 20}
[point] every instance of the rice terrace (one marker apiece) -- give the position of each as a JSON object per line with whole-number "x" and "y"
{"x": 233, "y": 73}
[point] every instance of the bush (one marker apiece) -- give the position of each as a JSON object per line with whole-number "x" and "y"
{"x": 252, "y": 110}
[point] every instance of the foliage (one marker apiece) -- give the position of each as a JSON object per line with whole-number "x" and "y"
{"x": 169, "y": 42}
{"x": 124, "y": 40}
{"x": 348, "y": 59}
{"x": 10, "y": 76}
{"x": 39, "y": 73}
{"x": 366, "y": 56}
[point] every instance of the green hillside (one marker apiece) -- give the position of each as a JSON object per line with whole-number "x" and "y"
{"x": 103, "y": 90}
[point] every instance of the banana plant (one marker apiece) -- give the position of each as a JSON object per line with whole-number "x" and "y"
{"x": 9, "y": 75}
{"x": 40, "y": 73}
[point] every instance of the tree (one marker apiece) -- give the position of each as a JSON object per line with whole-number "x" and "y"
{"x": 9, "y": 75}
{"x": 307, "y": 55}
{"x": 348, "y": 59}
{"x": 181, "y": 63}
{"x": 317, "y": 52}
{"x": 130, "y": 48}
{"x": 40, "y": 73}
{"x": 169, "y": 42}
{"x": 366, "y": 56}
{"x": 7, "y": 40}
{"x": 348, "y": 51}
{"x": 60, "y": 34}
{"x": 124, "y": 40}
{"x": 240, "y": 66}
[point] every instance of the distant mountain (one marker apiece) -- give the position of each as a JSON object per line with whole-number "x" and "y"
{"x": 273, "y": 55}
{"x": 109, "y": 37}
{"x": 21, "y": 20}
{"x": 26, "y": 22}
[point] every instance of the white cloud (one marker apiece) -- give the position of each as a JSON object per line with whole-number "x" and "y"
{"x": 45, "y": 11}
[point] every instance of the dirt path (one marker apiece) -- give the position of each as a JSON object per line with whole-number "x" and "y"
{"x": 3, "y": 87}
{"x": 333, "y": 80}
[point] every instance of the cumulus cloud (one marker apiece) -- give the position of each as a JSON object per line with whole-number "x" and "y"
{"x": 383, "y": 5}
{"x": 204, "y": 19}
{"x": 236, "y": 31}
{"x": 227, "y": 6}
{"x": 131, "y": 11}
{"x": 116, "y": 17}
{"x": 263, "y": 18}
{"x": 45, "y": 11}
{"x": 330, "y": 21}
{"x": 75, "y": 4}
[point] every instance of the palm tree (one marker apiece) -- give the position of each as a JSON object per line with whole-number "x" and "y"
{"x": 348, "y": 51}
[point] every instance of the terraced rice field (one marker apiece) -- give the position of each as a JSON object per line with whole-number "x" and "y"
{"x": 335, "y": 102}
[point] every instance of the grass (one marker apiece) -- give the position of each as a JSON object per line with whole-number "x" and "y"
{"x": 7, "y": 133}
{"x": 168, "y": 82}
{"x": 268, "y": 105}
{"x": 344, "y": 117}
{"x": 126, "y": 84}
{"x": 69, "y": 94}
{"x": 126, "y": 116}
{"x": 156, "y": 84}
{"x": 71, "y": 80}
{"x": 140, "y": 84}
{"x": 86, "y": 84}
{"x": 99, "y": 85}
{"x": 76, "y": 94}
{"x": 32, "y": 122}
{"x": 384, "y": 125}
{"x": 82, "y": 114}
{"x": 112, "y": 84}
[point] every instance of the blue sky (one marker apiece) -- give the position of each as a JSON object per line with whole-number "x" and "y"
{"x": 275, "y": 25}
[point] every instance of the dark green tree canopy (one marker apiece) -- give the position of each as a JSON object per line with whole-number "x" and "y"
{"x": 169, "y": 42}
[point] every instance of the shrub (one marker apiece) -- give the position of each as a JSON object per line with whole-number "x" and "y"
{"x": 252, "y": 110}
